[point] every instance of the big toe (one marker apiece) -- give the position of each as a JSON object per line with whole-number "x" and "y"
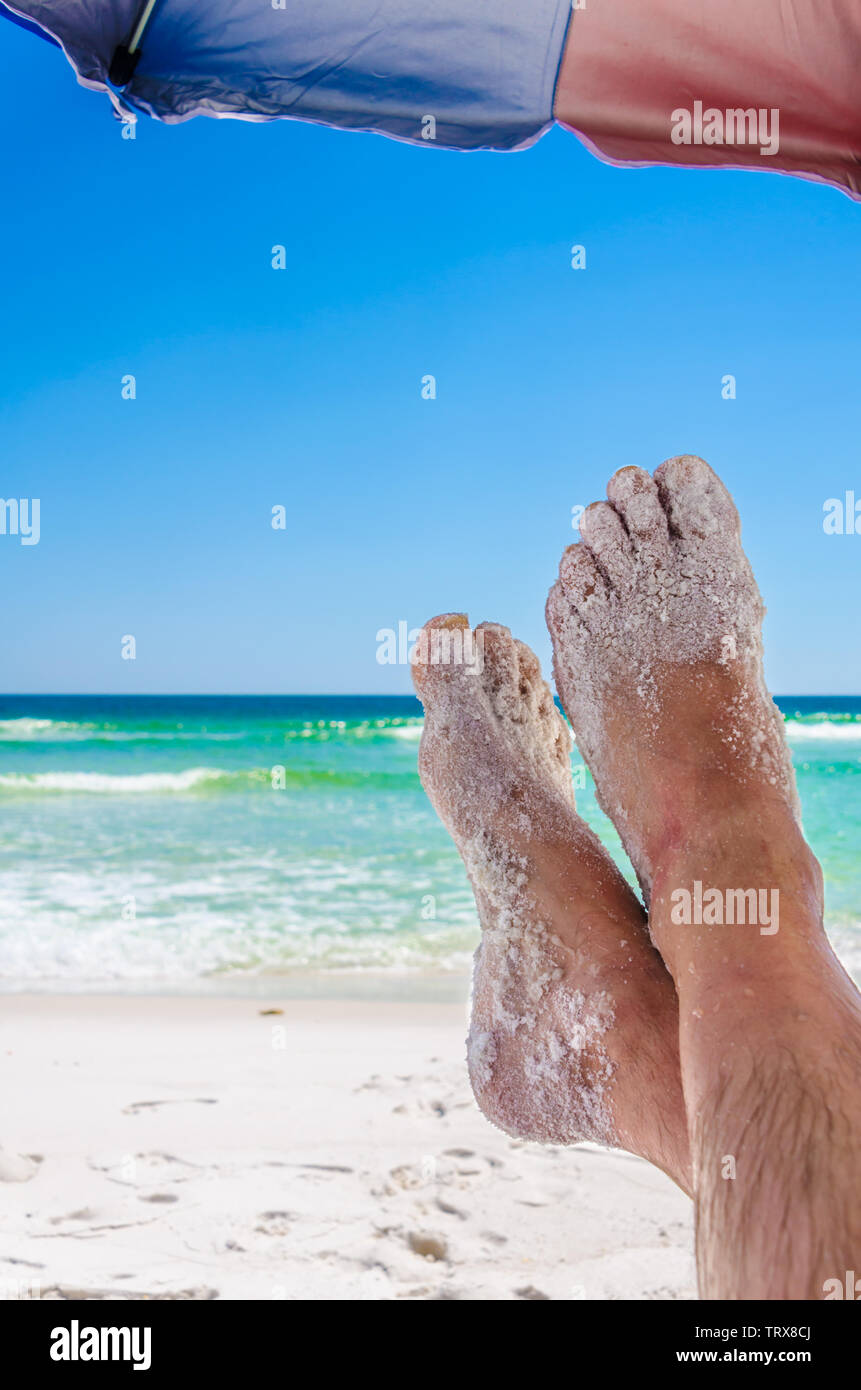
{"x": 695, "y": 500}
{"x": 441, "y": 641}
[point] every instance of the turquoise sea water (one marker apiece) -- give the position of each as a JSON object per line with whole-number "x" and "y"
{"x": 143, "y": 843}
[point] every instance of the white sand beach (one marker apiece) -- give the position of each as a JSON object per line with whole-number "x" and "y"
{"x": 199, "y": 1148}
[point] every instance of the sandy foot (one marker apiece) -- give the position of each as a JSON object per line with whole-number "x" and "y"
{"x": 656, "y": 626}
{"x": 574, "y": 1024}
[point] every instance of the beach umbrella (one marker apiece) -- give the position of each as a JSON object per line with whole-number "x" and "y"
{"x": 770, "y": 84}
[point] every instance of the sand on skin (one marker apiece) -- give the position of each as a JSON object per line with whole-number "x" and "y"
{"x": 330, "y": 1152}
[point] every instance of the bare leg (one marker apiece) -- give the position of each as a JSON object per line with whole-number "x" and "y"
{"x": 574, "y": 1030}
{"x": 656, "y": 627}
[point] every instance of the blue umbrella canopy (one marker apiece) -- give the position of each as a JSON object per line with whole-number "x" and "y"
{"x": 19, "y": 19}
{"x": 423, "y": 72}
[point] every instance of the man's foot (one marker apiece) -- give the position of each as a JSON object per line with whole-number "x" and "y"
{"x": 574, "y": 1023}
{"x": 655, "y": 622}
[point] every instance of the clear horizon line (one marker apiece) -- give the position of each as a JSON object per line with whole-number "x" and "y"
{"x": 312, "y": 695}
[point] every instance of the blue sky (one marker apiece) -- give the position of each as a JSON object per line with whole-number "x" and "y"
{"x": 302, "y": 388}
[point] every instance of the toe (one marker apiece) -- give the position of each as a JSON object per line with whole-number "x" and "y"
{"x": 529, "y": 667}
{"x": 534, "y": 690}
{"x": 563, "y": 621}
{"x": 437, "y": 650}
{"x": 582, "y": 582}
{"x": 452, "y": 621}
{"x": 634, "y": 494}
{"x": 605, "y": 536}
{"x": 557, "y": 611}
{"x": 500, "y": 665}
{"x": 695, "y": 500}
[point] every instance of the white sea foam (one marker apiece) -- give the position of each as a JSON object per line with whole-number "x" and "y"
{"x": 25, "y": 728}
{"x": 826, "y": 731}
{"x": 242, "y": 919}
{"x": 97, "y": 782}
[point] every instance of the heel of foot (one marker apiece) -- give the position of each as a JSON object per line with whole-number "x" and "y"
{"x": 548, "y": 1078}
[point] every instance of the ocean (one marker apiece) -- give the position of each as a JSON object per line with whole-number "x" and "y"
{"x": 234, "y": 842}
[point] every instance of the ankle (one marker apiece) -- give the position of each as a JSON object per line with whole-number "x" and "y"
{"x": 748, "y": 897}
{"x": 719, "y": 820}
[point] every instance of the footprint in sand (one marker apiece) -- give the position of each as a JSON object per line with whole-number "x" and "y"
{"x": 154, "y": 1104}
{"x": 18, "y": 1167}
{"x": 429, "y": 1244}
{"x": 275, "y": 1223}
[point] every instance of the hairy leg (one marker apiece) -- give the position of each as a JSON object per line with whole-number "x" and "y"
{"x": 656, "y": 624}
